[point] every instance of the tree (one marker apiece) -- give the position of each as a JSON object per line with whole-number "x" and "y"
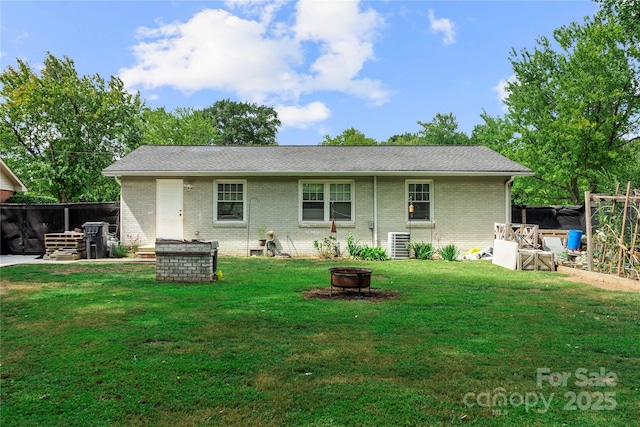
{"x": 407, "y": 138}
{"x": 242, "y": 123}
{"x": 573, "y": 110}
{"x": 441, "y": 130}
{"x": 497, "y": 134}
{"x": 626, "y": 13}
{"x": 184, "y": 126}
{"x": 59, "y": 130}
{"x": 349, "y": 136}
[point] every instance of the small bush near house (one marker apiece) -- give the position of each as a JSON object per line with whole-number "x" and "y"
{"x": 422, "y": 250}
{"x": 364, "y": 252}
{"x": 327, "y": 248}
{"x": 118, "y": 251}
{"x": 450, "y": 252}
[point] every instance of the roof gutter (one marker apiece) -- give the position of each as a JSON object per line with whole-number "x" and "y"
{"x": 157, "y": 173}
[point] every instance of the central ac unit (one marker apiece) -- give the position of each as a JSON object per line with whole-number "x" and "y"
{"x": 397, "y": 243}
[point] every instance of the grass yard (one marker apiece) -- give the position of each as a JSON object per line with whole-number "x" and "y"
{"x": 463, "y": 343}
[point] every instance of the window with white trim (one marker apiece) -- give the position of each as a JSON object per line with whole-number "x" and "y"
{"x": 322, "y": 201}
{"x": 229, "y": 200}
{"x": 419, "y": 195}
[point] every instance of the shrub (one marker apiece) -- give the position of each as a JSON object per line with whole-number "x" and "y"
{"x": 450, "y": 252}
{"x": 328, "y": 248}
{"x": 118, "y": 250}
{"x": 31, "y": 199}
{"x": 364, "y": 252}
{"x": 422, "y": 250}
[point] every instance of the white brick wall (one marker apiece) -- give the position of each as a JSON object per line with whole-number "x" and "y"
{"x": 138, "y": 210}
{"x": 465, "y": 209}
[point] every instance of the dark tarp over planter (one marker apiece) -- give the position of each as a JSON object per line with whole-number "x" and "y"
{"x": 550, "y": 217}
{"x": 24, "y": 226}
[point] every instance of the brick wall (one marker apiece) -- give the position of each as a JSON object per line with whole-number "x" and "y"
{"x": 465, "y": 209}
{"x": 185, "y": 261}
{"x": 5, "y": 194}
{"x": 138, "y": 210}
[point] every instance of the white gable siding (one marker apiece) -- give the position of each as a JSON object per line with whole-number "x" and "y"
{"x": 7, "y": 184}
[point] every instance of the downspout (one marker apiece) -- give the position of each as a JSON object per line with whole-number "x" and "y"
{"x": 375, "y": 212}
{"x": 120, "y": 216}
{"x": 507, "y": 199}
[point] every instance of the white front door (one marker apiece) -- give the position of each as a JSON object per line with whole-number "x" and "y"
{"x": 169, "y": 209}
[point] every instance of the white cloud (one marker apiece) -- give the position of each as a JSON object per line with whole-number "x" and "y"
{"x": 275, "y": 57}
{"x": 302, "y": 116}
{"x": 501, "y": 90}
{"x": 444, "y": 26}
{"x": 213, "y": 50}
{"x": 265, "y": 10}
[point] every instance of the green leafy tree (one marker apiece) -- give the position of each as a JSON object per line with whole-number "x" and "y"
{"x": 184, "y": 126}
{"x": 407, "y": 138}
{"x": 349, "y": 136}
{"x": 242, "y": 123}
{"x": 441, "y": 130}
{"x": 59, "y": 130}
{"x": 497, "y": 134}
{"x": 626, "y": 13}
{"x": 573, "y": 110}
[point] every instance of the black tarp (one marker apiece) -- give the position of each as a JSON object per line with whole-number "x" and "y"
{"x": 23, "y": 227}
{"x": 550, "y": 217}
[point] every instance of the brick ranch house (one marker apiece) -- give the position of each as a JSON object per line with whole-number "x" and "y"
{"x": 229, "y": 193}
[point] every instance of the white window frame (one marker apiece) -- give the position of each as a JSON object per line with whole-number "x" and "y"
{"x": 408, "y": 217}
{"x": 244, "y": 201}
{"x": 327, "y": 200}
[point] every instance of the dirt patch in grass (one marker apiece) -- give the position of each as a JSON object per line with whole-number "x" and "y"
{"x": 371, "y": 295}
{"x": 6, "y": 286}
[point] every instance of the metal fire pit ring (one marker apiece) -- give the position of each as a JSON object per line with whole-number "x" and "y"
{"x": 350, "y": 277}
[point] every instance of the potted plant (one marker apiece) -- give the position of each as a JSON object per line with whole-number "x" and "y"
{"x": 262, "y": 229}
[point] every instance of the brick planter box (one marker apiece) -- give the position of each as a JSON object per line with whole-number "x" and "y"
{"x": 186, "y": 261}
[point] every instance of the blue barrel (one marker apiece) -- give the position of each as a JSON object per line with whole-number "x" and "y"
{"x": 574, "y": 240}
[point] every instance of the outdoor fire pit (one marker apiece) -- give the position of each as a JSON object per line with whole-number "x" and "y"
{"x": 350, "y": 277}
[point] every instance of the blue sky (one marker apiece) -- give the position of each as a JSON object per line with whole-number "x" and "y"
{"x": 324, "y": 65}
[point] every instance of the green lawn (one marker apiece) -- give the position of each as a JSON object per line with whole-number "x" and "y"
{"x": 90, "y": 344}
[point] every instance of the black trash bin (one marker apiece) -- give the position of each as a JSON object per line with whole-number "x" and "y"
{"x": 96, "y": 235}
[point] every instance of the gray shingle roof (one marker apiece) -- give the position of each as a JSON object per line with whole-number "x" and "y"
{"x": 171, "y": 160}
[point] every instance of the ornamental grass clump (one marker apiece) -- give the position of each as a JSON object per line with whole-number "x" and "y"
{"x": 450, "y": 252}
{"x": 422, "y": 250}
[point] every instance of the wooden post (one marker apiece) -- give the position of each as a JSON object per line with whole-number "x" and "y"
{"x": 613, "y": 211}
{"x": 587, "y": 211}
{"x": 632, "y": 254}
{"x": 624, "y": 222}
